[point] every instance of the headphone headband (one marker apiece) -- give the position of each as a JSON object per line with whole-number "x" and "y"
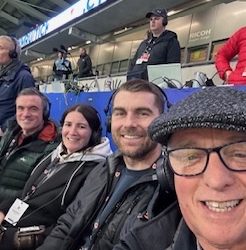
{"x": 107, "y": 109}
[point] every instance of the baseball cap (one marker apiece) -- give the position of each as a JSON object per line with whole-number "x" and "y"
{"x": 157, "y": 12}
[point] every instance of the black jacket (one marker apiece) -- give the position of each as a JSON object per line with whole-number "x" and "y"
{"x": 155, "y": 234}
{"x": 84, "y": 66}
{"x": 184, "y": 239}
{"x": 52, "y": 197}
{"x": 80, "y": 216}
{"x": 165, "y": 49}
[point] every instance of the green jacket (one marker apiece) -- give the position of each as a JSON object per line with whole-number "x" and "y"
{"x": 17, "y": 162}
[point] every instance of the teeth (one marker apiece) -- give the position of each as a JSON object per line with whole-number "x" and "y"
{"x": 72, "y": 139}
{"x": 131, "y": 136}
{"x": 221, "y": 206}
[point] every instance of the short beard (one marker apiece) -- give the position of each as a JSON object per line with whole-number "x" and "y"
{"x": 141, "y": 153}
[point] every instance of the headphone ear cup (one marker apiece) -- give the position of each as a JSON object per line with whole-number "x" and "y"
{"x": 46, "y": 112}
{"x": 12, "y": 54}
{"x": 108, "y": 124}
{"x": 165, "y": 177}
{"x": 164, "y": 21}
{"x": 96, "y": 137}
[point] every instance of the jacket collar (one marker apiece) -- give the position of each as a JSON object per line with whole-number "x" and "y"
{"x": 184, "y": 239}
{"x": 8, "y": 73}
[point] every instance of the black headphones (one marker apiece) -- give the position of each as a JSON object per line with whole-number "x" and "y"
{"x": 46, "y": 103}
{"x": 47, "y": 106}
{"x": 164, "y": 21}
{"x": 108, "y": 108}
{"x": 96, "y": 134}
{"x": 13, "y": 53}
{"x": 108, "y": 112}
{"x": 165, "y": 175}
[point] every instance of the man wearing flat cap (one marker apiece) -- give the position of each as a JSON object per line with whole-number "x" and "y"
{"x": 204, "y": 141}
{"x": 160, "y": 47}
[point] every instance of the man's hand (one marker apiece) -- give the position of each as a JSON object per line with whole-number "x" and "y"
{"x": 2, "y": 216}
{"x": 227, "y": 74}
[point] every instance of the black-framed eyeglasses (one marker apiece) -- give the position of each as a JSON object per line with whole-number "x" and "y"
{"x": 194, "y": 161}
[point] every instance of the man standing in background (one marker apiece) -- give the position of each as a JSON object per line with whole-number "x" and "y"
{"x": 14, "y": 76}
{"x": 84, "y": 64}
{"x": 160, "y": 47}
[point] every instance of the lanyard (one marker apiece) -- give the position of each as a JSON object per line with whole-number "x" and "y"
{"x": 46, "y": 174}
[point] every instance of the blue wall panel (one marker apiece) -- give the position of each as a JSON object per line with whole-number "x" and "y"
{"x": 60, "y": 102}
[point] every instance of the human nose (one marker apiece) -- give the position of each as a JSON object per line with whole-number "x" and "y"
{"x": 130, "y": 120}
{"x": 73, "y": 129}
{"x": 25, "y": 112}
{"x": 216, "y": 175}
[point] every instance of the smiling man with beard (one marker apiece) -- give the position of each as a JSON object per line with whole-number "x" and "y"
{"x": 124, "y": 185}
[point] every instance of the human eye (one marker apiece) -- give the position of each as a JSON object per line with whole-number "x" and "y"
{"x": 20, "y": 108}
{"x": 237, "y": 155}
{"x": 236, "y": 151}
{"x": 81, "y": 126}
{"x": 188, "y": 157}
{"x": 143, "y": 113}
{"x": 34, "y": 109}
{"x": 118, "y": 112}
{"x": 67, "y": 124}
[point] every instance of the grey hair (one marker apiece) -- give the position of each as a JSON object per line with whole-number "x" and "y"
{"x": 14, "y": 41}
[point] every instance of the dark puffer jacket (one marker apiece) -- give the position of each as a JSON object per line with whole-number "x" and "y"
{"x": 13, "y": 79}
{"x": 17, "y": 162}
{"x": 80, "y": 216}
{"x": 165, "y": 49}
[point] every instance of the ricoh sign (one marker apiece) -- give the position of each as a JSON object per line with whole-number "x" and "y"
{"x": 201, "y": 35}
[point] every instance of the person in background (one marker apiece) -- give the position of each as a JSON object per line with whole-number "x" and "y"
{"x": 26, "y": 141}
{"x": 235, "y": 46}
{"x": 56, "y": 179}
{"x": 125, "y": 184}
{"x": 62, "y": 67}
{"x": 205, "y": 150}
{"x": 160, "y": 47}
{"x": 84, "y": 64}
{"x": 14, "y": 76}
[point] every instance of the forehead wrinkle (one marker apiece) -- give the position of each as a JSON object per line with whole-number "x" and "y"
{"x": 201, "y": 136}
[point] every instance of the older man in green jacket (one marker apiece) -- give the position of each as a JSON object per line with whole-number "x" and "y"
{"x": 26, "y": 141}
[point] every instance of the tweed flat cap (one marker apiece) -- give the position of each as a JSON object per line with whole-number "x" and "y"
{"x": 213, "y": 107}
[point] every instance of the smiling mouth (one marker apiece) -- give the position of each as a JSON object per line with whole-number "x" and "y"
{"x": 221, "y": 207}
{"x": 72, "y": 139}
{"x": 131, "y": 136}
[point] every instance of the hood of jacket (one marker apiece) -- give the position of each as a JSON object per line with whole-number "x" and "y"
{"x": 8, "y": 73}
{"x": 168, "y": 34}
{"x": 97, "y": 153}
